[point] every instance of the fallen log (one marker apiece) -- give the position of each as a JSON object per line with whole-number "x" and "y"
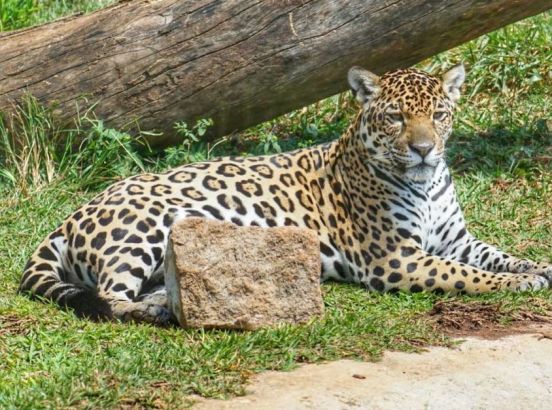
{"x": 150, "y": 63}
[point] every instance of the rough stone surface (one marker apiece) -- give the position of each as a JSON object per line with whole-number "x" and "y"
{"x": 220, "y": 275}
{"x": 510, "y": 373}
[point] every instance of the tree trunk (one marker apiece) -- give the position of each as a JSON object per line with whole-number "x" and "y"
{"x": 240, "y": 62}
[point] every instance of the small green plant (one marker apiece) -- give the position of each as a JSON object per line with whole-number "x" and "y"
{"x": 268, "y": 143}
{"x": 198, "y": 130}
{"x": 191, "y": 149}
{"x": 103, "y": 154}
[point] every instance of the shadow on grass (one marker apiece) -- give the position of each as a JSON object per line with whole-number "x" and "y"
{"x": 497, "y": 151}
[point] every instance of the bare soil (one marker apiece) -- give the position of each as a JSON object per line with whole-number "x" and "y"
{"x": 485, "y": 320}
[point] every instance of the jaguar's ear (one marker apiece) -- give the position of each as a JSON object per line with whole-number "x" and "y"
{"x": 365, "y": 84}
{"x": 453, "y": 80}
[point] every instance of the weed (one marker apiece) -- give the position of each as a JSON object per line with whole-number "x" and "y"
{"x": 191, "y": 149}
{"x": 26, "y": 147}
{"x": 268, "y": 144}
{"x": 103, "y": 154}
{"x": 35, "y": 152}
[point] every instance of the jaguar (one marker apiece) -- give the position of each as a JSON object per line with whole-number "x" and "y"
{"x": 380, "y": 197}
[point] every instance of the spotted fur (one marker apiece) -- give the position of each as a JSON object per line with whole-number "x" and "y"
{"x": 380, "y": 197}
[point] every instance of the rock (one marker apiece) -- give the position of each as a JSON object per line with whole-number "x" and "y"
{"x": 220, "y": 275}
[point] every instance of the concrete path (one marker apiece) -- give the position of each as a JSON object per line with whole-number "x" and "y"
{"x": 514, "y": 372}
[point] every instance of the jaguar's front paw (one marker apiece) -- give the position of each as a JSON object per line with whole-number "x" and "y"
{"x": 528, "y": 282}
{"x": 541, "y": 269}
{"x": 547, "y": 273}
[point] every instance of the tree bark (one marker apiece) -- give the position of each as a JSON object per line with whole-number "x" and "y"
{"x": 150, "y": 63}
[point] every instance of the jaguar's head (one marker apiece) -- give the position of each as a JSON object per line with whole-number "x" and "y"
{"x": 407, "y": 116}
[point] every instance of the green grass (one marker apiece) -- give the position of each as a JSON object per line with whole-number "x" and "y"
{"x": 501, "y": 156}
{"x": 15, "y": 14}
{"x": 66, "y": 362}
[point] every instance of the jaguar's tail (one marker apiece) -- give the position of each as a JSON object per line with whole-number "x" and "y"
{"x": 45, "y": 277}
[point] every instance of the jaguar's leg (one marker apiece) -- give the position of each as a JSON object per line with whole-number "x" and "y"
{"x": 474, "y": 252}
{"x": 411, "y": 269}
{"x": 125, "y": 286}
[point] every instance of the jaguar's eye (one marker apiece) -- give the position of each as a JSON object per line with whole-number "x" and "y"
{"x": 439, "y": 115}
{"x": 395, "y": 116}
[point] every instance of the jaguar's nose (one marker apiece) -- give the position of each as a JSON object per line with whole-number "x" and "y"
{"x": 422, "y": 148}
